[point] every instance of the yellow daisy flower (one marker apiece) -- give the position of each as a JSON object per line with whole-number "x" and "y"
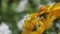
{"x": 44, "y": 23}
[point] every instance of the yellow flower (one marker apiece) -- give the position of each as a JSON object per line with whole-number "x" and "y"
{"x": 44, "y": 23}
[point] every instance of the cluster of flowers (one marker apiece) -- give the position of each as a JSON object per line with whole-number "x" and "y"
{"x": 42, "y": 23}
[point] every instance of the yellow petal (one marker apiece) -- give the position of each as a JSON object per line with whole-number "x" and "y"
{"x": 56, "y": 6}
{"x": 26, "y": 31}
{"x": 35, "y": 32}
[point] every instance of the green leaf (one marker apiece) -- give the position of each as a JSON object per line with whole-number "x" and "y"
{"x": 13, "y": 5}
{"x": 4, "y": 5}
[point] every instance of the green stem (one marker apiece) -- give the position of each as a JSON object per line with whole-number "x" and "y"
{"x": 54, "y": 30}
{"x": 47, "y": 32}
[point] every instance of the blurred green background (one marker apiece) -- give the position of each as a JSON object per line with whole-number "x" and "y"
{"x": 12, "y": 11}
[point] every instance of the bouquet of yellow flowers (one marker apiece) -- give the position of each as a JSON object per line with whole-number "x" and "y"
{"x": 42, "y": 23}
